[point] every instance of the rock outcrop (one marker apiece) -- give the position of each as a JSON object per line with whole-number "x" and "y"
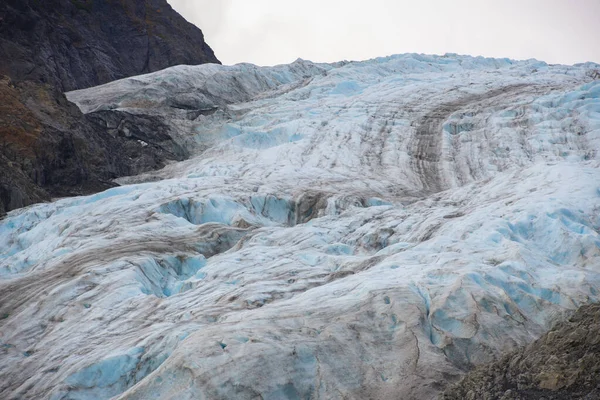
{"x": 563, "y": 364}
{"x": 82, "y": 43}
{"x": 48, "y": 148}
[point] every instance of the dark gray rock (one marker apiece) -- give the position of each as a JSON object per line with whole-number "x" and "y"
{"x": 145, "y": 140}
{"x": 49, "y": 149}
{"x": 563, "y": 364}
{"x": 47, "y": 146}
{"x": 82, "y": 43}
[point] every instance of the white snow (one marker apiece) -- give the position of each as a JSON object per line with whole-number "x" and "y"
{"x": 367, "y": 230}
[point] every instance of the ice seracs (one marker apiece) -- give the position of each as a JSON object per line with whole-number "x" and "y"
{"x": 358, "y": 230}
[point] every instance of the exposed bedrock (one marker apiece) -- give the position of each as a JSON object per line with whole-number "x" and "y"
{"x": 75, "y": 44}
{"x": 50, "y": 149}
{"x": 562, "y": 364}
{"x": 47, "y": 147}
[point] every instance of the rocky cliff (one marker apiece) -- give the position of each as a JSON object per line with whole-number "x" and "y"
{"x": 81, "y": 43}
{"x": 48, "y": 148}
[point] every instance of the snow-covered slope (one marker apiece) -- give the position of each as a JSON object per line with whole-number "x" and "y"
{"x": 353, "y": 230}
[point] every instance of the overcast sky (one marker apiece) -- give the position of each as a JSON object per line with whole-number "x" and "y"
{"x": 268, "y": 32}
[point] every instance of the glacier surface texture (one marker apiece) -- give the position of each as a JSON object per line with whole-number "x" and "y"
{"x": 351, "y": 230}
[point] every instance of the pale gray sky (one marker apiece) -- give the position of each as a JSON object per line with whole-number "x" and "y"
{"x": 268, "y": 32}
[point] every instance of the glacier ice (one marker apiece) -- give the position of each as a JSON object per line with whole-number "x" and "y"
{"x": 359, "y": 229}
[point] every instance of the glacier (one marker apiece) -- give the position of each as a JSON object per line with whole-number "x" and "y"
{"x": 351, "y": 230}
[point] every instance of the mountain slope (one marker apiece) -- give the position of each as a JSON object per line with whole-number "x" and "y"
{"x": 76, "y": 44}
{"x": 48, "y": 148}
{"x": 348, "y": 230}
